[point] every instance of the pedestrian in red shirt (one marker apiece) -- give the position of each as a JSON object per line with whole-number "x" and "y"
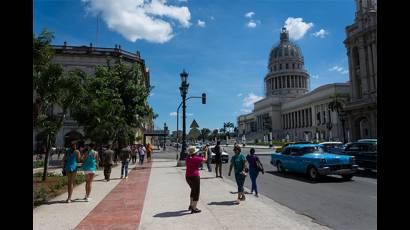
{"x": 192, "y": 176}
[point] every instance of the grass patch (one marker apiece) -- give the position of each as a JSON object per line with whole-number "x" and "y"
{"x": 38, "y": 164}
{"x": 55, "y": 185}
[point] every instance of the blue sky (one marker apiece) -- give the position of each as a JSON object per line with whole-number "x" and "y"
{"x": 224, "y": 45}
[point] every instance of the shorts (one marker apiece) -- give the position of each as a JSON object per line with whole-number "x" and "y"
{"x": 89, "y": 172}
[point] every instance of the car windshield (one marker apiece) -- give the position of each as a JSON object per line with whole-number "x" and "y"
{"x": 312, "y": 149}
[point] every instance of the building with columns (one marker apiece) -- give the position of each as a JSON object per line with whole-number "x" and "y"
{"x": 290, "y": 110}
{"x": 87, "y": 58}
{"x": 361, "y": 45}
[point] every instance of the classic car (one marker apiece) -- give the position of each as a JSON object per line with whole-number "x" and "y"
{"x": 280, "y": 149}
{"x": 365, "y": 153}
{"x": 312, "y": 160}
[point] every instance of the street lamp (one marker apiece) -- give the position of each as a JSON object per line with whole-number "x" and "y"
{"x": 165, "y": 132}
{"x": 184, "y": 90}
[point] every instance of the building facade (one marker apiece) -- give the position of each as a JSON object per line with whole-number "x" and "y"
{"x": 361, "y": 45}
{"x": 87, "y": 58}
{"x": 290, "y": 110}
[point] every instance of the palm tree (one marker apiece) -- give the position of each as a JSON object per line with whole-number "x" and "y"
{"x": 337, "y": 104}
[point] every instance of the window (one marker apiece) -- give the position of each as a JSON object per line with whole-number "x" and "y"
{"x": 274, "y": 67}
{"x": 295, "y": 152}
{"x": 280, "y": 66}
{"x": 287, "y": 66}
{"x": 286, "y": 151}
{"x": 293, "y": 65}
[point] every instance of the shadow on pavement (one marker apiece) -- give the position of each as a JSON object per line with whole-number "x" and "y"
{"x": 303, "y": 178}
{"x": 208, "y": 178}
{"x": 222, "y": 203}
{"x": 366, "y": 173}
{"x": 55, "y": 202}
{"x": 246, "y": 192}
{"x": 103, "y": 180}
{"x": 173, "y": 214}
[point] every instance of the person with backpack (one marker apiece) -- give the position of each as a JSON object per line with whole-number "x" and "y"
{"x": 218, "y": 159}
{"x": 255, "y": 166}
{"x": 70, "y": 160}
{"x": 90, "y": 166}
{"x": 125, "y": 155}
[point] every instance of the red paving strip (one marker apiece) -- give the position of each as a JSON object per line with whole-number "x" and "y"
{"x": 122, "y": 207}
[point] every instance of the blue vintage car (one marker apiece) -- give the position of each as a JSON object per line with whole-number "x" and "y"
{"x": 312, "y": 160}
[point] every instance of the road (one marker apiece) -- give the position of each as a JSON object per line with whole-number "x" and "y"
{"x": 341, "y": 205}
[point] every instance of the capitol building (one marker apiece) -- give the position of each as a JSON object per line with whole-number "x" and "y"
{"x": 290, "y": 111}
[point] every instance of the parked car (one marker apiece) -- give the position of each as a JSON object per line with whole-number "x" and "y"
{"x": 364, "y": 152}
{"x": 312, "y": 160}
{"x": 335, "y": 147}
{"x": 225, "y": 155}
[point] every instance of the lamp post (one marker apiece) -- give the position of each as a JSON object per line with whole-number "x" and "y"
{"x": 165, "y": 132}
{"x": 184, "y": 90}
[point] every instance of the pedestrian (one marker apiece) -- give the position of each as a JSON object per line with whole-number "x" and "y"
{"x": 90, "y": 166}
{"x": 207, "y": 149}
{"x": 149, "y": 152}
{"x": 125, "y": 155}
{"x": 218, "y": 159}
{"x": 107, "y": 160}
{"x": 141, "y": 154}
{"x": 238, "y": 162}
{"x": 192, "y": 176}
{"x": 133, "y": 154}
{"x": 255, "y": 166}
{"x": 70, "y": 161}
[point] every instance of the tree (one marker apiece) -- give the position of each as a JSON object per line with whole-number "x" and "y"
{"x": 214, "y": 135}
{"x": 115, "y": 103}
{"x": 228, "y": 126}
{"x": 205, "y": 133}
{"x": 53, "y": 89}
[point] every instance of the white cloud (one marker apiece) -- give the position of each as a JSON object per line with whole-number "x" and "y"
{"x": 249, "y": 14}
{"x": 297, "y": 27}
{"x": 339, "y": 69}
{"x": 174, "y": 114}
{"x": 201, "y": 23}
{"x": 140, "y": 19}
{"x": 315, "y": 76}
{"x": 246, "y": 110}
{"x": 250, "y": 100}
{"x": 321, "y": 33}
{"x": 251, "y": 24}
{"x": 239, "y": 94}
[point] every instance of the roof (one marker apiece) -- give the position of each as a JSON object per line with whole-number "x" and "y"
{"x": 302, "y": 145}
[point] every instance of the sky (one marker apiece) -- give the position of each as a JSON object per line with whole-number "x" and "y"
{"x": 224, "y": 45}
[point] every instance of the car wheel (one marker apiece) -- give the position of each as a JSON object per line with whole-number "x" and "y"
{"x": 313, "y": 173}
{"x": 279, "y": 167}
{"x": 347, "y": 177}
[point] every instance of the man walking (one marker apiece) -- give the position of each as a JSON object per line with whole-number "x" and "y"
{"x": 141, "y": 154}
{"x": 218, "y": 159}
{"x": 125, "y": 154}
{"x": 107, "y": 159}
{"x": 207, "y": 149}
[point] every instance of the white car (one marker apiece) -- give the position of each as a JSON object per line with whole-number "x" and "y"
{"x": 225, "y": 155}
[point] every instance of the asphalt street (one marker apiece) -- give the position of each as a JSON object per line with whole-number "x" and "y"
{"x": 339, "y": 204}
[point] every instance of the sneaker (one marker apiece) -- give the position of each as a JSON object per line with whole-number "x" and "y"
{"x": 88, "y": 199}
{"x": 195, "y": 211}
{"x": 126, "y": 177}
{"x": 68, "y": 200}
{"x": 121, "y": 176}
{"x": 256, "y": 195}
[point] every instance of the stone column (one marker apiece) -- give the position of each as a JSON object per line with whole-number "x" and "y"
{"x": 363, "y": 71}
{"x": 352, "y": 72}
{"x": 374, "y": 53}
{"x": 370, "y": 64}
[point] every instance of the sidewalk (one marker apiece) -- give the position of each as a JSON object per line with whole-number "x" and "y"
{"x": 157, "y": 197}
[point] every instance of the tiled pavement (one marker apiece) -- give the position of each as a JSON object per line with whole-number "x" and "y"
{"x": 122, "y": 207}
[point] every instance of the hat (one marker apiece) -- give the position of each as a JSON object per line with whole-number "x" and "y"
{"x": 192, "y": 150}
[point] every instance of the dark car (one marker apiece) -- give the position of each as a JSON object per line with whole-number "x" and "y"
{"x": 365, "y": 153}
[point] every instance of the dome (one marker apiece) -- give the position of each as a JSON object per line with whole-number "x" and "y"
{"x": 285, "y": 49}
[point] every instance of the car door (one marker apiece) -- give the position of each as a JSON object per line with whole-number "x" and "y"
{"x": 286, "y": 162}
{"x": 296, "y": 160}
